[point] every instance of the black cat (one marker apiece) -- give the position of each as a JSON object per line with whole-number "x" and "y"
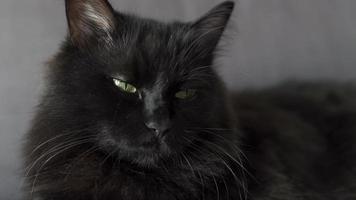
{"x": 134, "y": 110}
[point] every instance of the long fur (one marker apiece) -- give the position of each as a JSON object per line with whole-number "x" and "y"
{"x": 90, "y": 140}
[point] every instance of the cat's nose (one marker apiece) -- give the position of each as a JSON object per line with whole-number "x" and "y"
{"x": 159, "y": 128}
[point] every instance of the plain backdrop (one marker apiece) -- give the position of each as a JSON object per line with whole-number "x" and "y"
{"x": 268, "y": 41}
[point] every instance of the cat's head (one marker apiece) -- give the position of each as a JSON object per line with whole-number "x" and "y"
{"x": 146, "y": 89}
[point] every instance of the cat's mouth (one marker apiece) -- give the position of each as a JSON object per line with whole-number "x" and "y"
{"x": 147, "y": 153}
{"x": 154, "y": 144}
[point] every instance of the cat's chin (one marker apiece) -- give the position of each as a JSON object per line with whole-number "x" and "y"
{"x": 147, "y": 160}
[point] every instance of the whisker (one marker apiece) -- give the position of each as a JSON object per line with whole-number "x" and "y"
{"x": 47, "y": 141}
{"x": 55, "y": 148}
{"x": 57, "y": 137}
{"x": 202, "y": 184}
{"x": 108, "y": 156}
{"x": 187, "y": 160}
{"x": 226, "y": 188}
{"x": 217, "y": 188}
{"x": 80, "y": 157}
{"x": 229, "y": 169}
{"x": 221, "y": 150}
{"x": 66, "y": 148}
{"x": 234, "y": 148}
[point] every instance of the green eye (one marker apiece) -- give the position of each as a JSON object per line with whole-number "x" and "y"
{"x": 186, "y": 94}
{"x": 126, "y": 87}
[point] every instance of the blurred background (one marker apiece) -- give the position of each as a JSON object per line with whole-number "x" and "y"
{"x": 268, "y": 41}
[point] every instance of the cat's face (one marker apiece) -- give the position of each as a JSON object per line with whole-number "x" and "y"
{"x": 146, "y": 87}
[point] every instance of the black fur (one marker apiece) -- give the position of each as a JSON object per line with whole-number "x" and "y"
{"x": 300, "y": 140}
{"x": 90, "y": 140}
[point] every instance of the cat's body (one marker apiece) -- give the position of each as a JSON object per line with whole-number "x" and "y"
{"x": 134, "y": 110}
{"x": 300, "y": 140}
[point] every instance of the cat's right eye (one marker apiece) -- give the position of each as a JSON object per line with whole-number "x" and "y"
{"x": 124, "y": 86}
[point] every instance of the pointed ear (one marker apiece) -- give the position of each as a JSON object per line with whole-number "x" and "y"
{"x": 211, "y": 26}
{"x": 90, "y": 20}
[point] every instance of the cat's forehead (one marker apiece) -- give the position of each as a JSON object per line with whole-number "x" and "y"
{"x": 152, "y": 53}
{"x": 158, "y": 40}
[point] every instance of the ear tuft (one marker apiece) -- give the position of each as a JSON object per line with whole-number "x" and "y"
{"x": 212, "y": 25}
{"x": 90, "y": 19}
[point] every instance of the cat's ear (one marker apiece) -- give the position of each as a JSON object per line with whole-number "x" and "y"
{"x": 90, "y": 20}
{"x": 210, "y": 27}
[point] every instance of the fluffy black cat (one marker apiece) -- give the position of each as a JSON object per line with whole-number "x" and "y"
{"x": 134, "y": 110}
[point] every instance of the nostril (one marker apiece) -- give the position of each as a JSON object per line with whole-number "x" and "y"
{"x": 159, "y": 129}
{"x": 151, "y": 125}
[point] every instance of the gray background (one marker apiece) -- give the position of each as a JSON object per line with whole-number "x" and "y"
{"x": 268, "y": 41}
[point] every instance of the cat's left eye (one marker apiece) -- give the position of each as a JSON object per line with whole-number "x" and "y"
{"x": 124, "y": 86}
{"x": 186, "y": 94}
